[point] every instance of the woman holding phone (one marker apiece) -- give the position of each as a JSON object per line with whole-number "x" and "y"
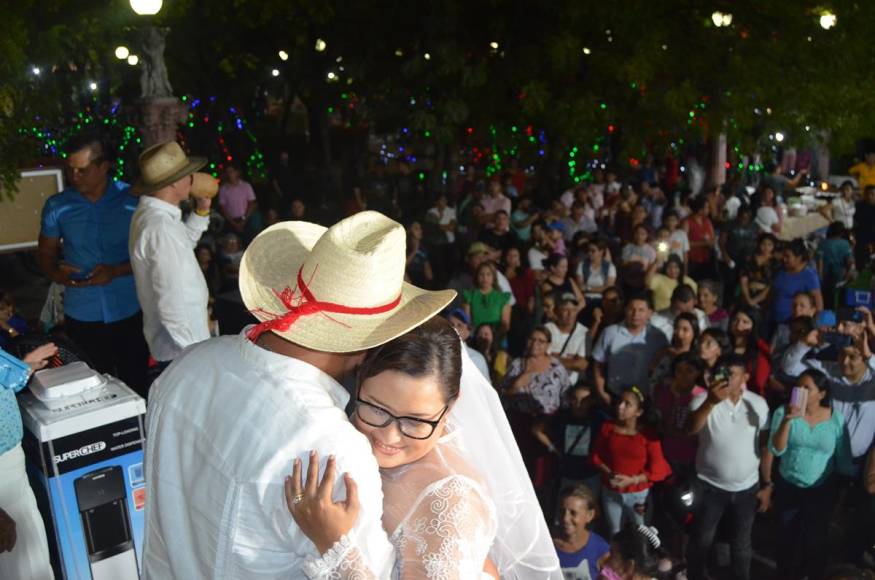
{"x": 811, "y": 440}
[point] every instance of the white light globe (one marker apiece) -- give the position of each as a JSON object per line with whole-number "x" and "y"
{"x": 321, "y": 45}
{"x": 284, "y": 55}
{"x": 828, "y": 20}
{"x": 133, "y": 60}
{"x": 779, "y": 137}
{"x": 122, "y": 52}
{"x": 92, "y": 85}
{"x": 146, "y": 7}
{"x": 275, "y": 72}
{"x": 717, "y": 18}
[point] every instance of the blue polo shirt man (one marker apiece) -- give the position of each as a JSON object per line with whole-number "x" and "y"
{"x": 83, "y": 244}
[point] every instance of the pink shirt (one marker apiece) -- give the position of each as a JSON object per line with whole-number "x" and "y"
{"x": 234, "y": 198}
{"x": 493, "y": 204}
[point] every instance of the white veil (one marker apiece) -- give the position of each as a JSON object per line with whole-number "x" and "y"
{"x": 523, "y": 548}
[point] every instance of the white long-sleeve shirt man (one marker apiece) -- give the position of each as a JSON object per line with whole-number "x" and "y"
{"x": 225, "y": 422}
{"x": 170, "y": 285}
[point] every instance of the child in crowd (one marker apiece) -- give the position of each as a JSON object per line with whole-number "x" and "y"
{"x": 630, "y": 457}
{"x": 578, "y": 548}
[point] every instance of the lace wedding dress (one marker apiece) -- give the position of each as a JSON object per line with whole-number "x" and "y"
{"x": 470, "y": 498}
{"x": 440, "y": 519}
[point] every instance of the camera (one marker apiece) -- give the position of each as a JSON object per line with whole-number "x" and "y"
{"x": 721, "y": 375}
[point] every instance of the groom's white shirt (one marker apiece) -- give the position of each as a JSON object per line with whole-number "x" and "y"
{"x": 225, "y": 422}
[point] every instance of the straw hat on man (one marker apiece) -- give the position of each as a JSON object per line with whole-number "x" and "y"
{"x": 170, "y": 284}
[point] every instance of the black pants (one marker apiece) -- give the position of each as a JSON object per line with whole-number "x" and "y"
{"x": 117, "y": 348}
{"x": 741, "y": 507}
{"x": 803, "y": 527}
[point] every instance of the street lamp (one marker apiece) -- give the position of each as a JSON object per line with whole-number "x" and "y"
{"x": 284, "y": 55}
{"x": 827, "y": 20}
{"x": 721, "y": 18}
{"x": 321, "y": 45}
{"x": 122, "y": 52}
{"x": 133, "y": 60}
{"x": 275, "y": 72}
{"x": 146, "y": 7}
{"x": 92, "y": 85}
{"x": 36, "y": 71}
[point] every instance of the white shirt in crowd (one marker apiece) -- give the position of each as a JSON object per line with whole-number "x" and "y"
{"x": 536, "y": 258}
{"x": 225, "y": 422}
{"x": 444, "y": 219}
{"x": 679, "y": 243}
{"x": 843, "y": 211}
{"x": 766, "y": 217}
{"x": 728, "y": 455}
{"x": 564, "y": 345}
{"x": 504, "y": 285}
{"x": 597, "y": 277}
{"x": 170, "y": 285}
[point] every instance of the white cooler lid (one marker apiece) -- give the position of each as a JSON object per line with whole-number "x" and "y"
{"x": 65, "y": 381}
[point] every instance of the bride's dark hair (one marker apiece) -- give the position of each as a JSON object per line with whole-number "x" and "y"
{"x": 431, "y": 349}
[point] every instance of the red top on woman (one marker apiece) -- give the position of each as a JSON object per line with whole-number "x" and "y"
{"x": 630, "y": 455}
{"x": 700, "y": 229}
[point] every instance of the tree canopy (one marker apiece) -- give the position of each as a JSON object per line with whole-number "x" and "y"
{"x": 529, "y": 75}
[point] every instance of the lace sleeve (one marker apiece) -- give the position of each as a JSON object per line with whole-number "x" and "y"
{"x": 448, "y": 533}
{"x": 343, "y": 561}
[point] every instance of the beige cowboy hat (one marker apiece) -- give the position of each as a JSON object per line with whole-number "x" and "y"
{"x": 163, "y": 164}
{"x": 339, "y": 289}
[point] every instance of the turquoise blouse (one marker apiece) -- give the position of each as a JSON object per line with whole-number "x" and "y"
{"x": 812, "y": 454}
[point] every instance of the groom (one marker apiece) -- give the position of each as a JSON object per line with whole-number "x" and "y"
{"x": 228, "y": 417}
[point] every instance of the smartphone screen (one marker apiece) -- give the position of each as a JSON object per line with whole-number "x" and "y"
{"x": 799, "y": 397}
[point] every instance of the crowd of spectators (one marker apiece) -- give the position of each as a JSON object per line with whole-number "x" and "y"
{"x": 648, "y": 343}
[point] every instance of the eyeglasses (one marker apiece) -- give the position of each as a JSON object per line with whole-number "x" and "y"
{"x": 412, "y": 427}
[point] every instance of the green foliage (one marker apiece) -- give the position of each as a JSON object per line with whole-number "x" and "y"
{"x": 650, "y": 64}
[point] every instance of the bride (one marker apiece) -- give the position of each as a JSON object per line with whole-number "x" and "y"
{"x": 457, "y": 502}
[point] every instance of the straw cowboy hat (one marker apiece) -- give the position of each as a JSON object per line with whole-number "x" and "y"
{"x": 339, "y": 289}
{"x": 163, "y": 164}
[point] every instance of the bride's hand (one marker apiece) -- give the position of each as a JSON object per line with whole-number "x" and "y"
{"x": 322, "y": 520}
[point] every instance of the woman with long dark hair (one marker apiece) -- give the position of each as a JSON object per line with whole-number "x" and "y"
{"x": 812, "y": 442}
{"x": 744, "y": 333}
{"x": 758, "y": 273}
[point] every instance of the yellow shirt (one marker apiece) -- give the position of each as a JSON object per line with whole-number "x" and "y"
{"x": 865, "y": 174}
{"x": 662, "y": 287}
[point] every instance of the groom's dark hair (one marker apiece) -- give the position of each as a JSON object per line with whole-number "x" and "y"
{"x": 431, "y": 349}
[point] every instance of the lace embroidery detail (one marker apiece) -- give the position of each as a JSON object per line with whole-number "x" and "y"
{"x": 342, "y": 561}
{"x": 448, "y": 535}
